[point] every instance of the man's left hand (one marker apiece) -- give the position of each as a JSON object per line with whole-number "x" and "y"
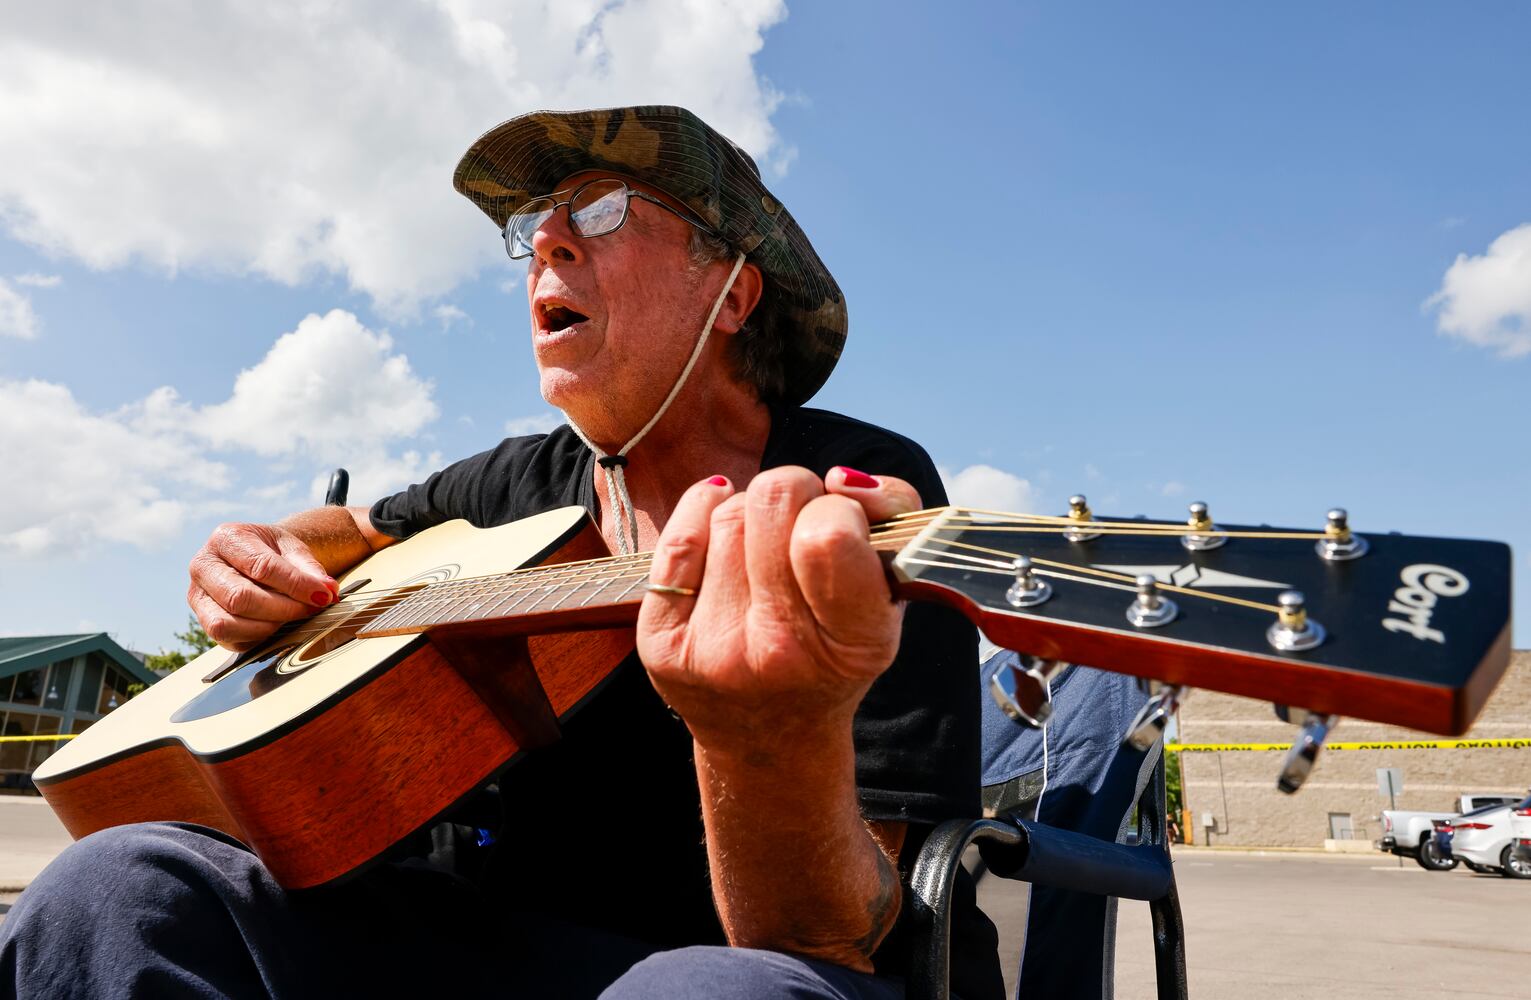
{"x": 793, "y": 619}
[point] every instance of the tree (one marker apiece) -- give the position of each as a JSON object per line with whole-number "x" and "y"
{"x": 1174, "y": 793}
{"x": 194, "y": 639}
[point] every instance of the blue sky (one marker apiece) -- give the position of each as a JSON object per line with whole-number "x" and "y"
{"x": 1151, "y": 254}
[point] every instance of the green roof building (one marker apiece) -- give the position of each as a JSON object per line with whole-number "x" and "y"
{"x": 53, "y": 684}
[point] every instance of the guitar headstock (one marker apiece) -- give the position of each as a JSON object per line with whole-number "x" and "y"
{"x": 1394, "y": 628}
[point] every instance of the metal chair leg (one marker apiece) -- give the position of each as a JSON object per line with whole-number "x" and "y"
{"x": 1169, "y": 945}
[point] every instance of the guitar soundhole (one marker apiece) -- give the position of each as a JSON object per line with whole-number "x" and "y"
{"x": 250, "y": 675}
{"x": 345, "y": 631}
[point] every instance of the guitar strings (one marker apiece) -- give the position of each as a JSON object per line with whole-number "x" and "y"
{"x": 572, "y": 582}
{"x": 502, "y": 585}
{"x": 986, "y": 518}
{"x": 903, "y": 525}
{"x": 426, "y": 598}
{"x": 1007, "y": 568}
{"x": 521, "y": 583}
{"x": 379, "y": 601}
{"x": 1094, "y": 528}
{"x": 549, "y": 578}
{"x": 459, "y": 587}
{"x": 552, "y": 570}
{"x": 1122, "y": 580}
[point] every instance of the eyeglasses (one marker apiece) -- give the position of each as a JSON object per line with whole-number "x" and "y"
{"x": 596, "y": 208}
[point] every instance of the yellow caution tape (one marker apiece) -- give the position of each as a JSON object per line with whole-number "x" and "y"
{"x": 1520, "y": 743}
{"x": 35, "y": 739}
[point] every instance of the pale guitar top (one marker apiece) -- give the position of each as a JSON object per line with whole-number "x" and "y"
{"x": 450, "y": 551}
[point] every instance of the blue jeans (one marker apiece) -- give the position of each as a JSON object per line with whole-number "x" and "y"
{"x": 171, "y": 910}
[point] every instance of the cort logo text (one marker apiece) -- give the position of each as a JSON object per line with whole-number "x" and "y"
{"x": 1423, "y": 585}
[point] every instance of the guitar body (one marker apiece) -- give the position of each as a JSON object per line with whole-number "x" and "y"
{"x": 323, "y": 750}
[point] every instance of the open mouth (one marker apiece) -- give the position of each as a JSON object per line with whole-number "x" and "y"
{"x": 556, "y": 317}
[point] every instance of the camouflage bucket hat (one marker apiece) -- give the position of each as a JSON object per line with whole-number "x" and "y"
{"x": 674, "y": 150}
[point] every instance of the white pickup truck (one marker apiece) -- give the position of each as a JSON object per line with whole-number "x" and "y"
{"x": 1410, "y": 834}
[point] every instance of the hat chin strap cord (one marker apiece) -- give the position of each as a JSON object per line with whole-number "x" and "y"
{"x": 620, "y": 502}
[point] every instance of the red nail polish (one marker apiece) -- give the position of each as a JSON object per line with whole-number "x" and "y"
{"x": 718, "y": 481}
{"x": 859, "y": 479}
{"x": 319, "y": 598}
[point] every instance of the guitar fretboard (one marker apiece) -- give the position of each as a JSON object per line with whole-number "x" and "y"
{"x": 591, "y": 585}
{"x": 596, "y": 584}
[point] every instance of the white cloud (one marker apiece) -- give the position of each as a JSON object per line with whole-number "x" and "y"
{"x": 279, "y": 493}
{"x": 320, "y": 139}
{"x": 988, "y": 488}
{"x": 1173, "y": 488}
{"x": 72, "y": 476}
{"x": 330, "y": 388}
{"x": 537, "y": 423}
{"x": 375, "y": 474}
{"x": 331, "y": 392}
{"x": 449, "y": 314}
{"x": 16, "y": 316}
{"x": 36, "y": 280}
{"x": 1486, "y": 299}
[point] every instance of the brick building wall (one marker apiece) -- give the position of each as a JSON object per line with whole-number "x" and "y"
{"x": 1239, "y": 787}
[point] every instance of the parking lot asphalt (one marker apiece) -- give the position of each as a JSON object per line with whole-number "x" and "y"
{"x": 30, "y": 837}
{"x": 1280, "y": 926}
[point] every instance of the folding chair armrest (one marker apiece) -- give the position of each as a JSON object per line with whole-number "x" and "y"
{"x": 1043, "y": 855}
{"x": 1068, "y": 860}
{"x": 930, "y": 902}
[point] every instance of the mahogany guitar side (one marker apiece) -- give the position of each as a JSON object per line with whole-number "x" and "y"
{"x": 321, "y": 766}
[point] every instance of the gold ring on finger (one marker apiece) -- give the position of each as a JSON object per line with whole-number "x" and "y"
{"x": 659, "y": 588}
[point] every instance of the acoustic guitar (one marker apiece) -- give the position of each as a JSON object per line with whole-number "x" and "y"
{"x": 449, "y": 655}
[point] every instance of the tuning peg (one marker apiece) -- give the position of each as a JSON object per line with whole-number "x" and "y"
{"x": 1148, "y": 725}
{"x": 1079, "y": 511}
{"x": 1338, "y": 544}
{"x": 1304, "y": 752}
{"x": 1293, "y": 631}
{"x": 1021, "y": 691}
{"x": 1200, "y": 522}
{"x": 1151, "y": 609}
{"x": 1028, "y": 590}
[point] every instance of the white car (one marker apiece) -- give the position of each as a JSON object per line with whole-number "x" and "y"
{"x": 1484, "y": 838}
{"x": 1520, "y": 830}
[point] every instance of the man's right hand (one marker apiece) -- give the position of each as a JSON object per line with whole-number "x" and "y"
{"x": 248, "y": 579}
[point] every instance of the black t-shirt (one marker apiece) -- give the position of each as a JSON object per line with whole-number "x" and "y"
{"x": 604, "y": 827}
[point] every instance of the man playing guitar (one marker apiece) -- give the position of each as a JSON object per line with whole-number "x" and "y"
{"x": 728, "y": 817}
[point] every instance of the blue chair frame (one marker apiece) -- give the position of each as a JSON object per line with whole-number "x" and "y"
{"x": 1079, "y": 871}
